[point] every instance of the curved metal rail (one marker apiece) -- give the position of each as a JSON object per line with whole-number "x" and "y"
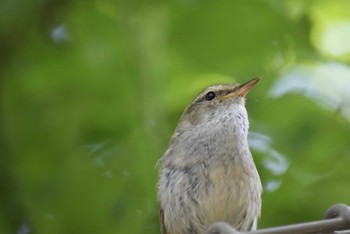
{"x": 336, "y": 220}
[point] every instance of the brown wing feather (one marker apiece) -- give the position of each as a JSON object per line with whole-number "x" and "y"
{"x": 161, "y": 221}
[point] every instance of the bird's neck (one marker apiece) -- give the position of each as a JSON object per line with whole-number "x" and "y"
{"x": 221, "y": 137}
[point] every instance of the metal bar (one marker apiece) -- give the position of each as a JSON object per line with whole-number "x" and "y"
{"x": 303, "y": 228}
{"x": 337, "y": 218}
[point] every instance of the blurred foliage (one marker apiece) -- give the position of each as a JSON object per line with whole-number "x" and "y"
{"x": 91, "y": 91}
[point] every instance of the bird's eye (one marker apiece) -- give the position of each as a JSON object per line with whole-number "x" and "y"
{"x": 210, "y": 96}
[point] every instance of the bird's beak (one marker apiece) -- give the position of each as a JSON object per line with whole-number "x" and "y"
{"x": 242, "y": 90}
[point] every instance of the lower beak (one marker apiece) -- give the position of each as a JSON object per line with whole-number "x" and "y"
{"x": 243, "y": 89}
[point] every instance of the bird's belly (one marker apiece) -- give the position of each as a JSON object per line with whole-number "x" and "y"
{"x": 231, "y": 198}
{"x": 194, "y": 199}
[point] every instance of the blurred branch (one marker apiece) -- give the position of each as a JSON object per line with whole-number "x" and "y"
{"x": 337, "y": 218}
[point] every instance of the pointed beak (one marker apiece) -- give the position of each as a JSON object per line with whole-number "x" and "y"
{"x": 243, "y": 89}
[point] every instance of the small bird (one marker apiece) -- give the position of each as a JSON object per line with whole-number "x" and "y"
{"x": 208, "y": 174}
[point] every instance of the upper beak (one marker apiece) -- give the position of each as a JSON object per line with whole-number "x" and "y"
{"x": 242, "y": 90}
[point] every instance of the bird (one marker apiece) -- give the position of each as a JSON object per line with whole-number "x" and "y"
{"x": 208, "y": 174}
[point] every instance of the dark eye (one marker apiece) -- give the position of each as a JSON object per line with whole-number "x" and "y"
{"x": 210, "y": 96}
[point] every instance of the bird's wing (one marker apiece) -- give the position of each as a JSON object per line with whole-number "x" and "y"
{"x": 161, "y": 221}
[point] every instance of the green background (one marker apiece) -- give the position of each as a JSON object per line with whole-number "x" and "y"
{"x": 91, "y": 91}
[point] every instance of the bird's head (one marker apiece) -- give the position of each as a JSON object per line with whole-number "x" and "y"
{"x": 216, "y": 103}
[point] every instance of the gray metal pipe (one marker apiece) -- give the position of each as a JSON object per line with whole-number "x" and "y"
{"x": 337, "y": 218}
